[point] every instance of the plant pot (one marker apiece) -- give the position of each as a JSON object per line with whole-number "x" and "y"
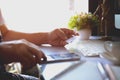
{"x": 84, "y": 34}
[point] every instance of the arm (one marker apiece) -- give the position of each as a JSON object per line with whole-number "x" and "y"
{"x": 56, "y": 37}
{"x": 36, "y": 38}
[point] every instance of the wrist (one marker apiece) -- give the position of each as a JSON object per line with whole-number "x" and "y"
{"x": 44, "y": 38}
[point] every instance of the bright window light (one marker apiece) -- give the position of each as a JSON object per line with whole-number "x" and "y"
{"x": 40, "y": 15}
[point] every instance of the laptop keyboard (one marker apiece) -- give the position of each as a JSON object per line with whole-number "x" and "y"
{"x": 87, "y": 47}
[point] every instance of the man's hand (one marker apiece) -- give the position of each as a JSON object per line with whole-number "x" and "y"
{"x": 58, "y": 37}
{"x": 28, "y": 54}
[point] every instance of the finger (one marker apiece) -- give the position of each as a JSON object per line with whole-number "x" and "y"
{"x": 27, "y": 60}
{"x": 39, "y": 55}
{"x": 68, "y": 31}
{"x": 25, "y": 63}
{"x": 44, "y": 58}
{"x": 30, "y": 58}
{"x": 61, "y": 34}
{"x": 36, "y": 51}
{"x": 63, "y": 43}
{"x": 59, "y": 43}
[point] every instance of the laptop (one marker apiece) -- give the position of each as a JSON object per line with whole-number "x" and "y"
{"x": 58, "y": 54}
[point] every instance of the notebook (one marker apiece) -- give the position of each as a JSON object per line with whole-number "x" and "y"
{"x": 91, "y": 47}
{"x": 58, "y": 54}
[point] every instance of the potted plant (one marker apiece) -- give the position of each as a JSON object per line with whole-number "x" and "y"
{"x": 83, "y": 22}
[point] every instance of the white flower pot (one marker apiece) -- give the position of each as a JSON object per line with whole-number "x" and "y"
{"x": 84, "y": 34}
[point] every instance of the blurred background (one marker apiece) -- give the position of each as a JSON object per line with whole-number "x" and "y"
{"x": 40, "y": 15}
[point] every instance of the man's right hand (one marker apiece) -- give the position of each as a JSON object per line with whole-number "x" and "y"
{"x": 27, "y": 53}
